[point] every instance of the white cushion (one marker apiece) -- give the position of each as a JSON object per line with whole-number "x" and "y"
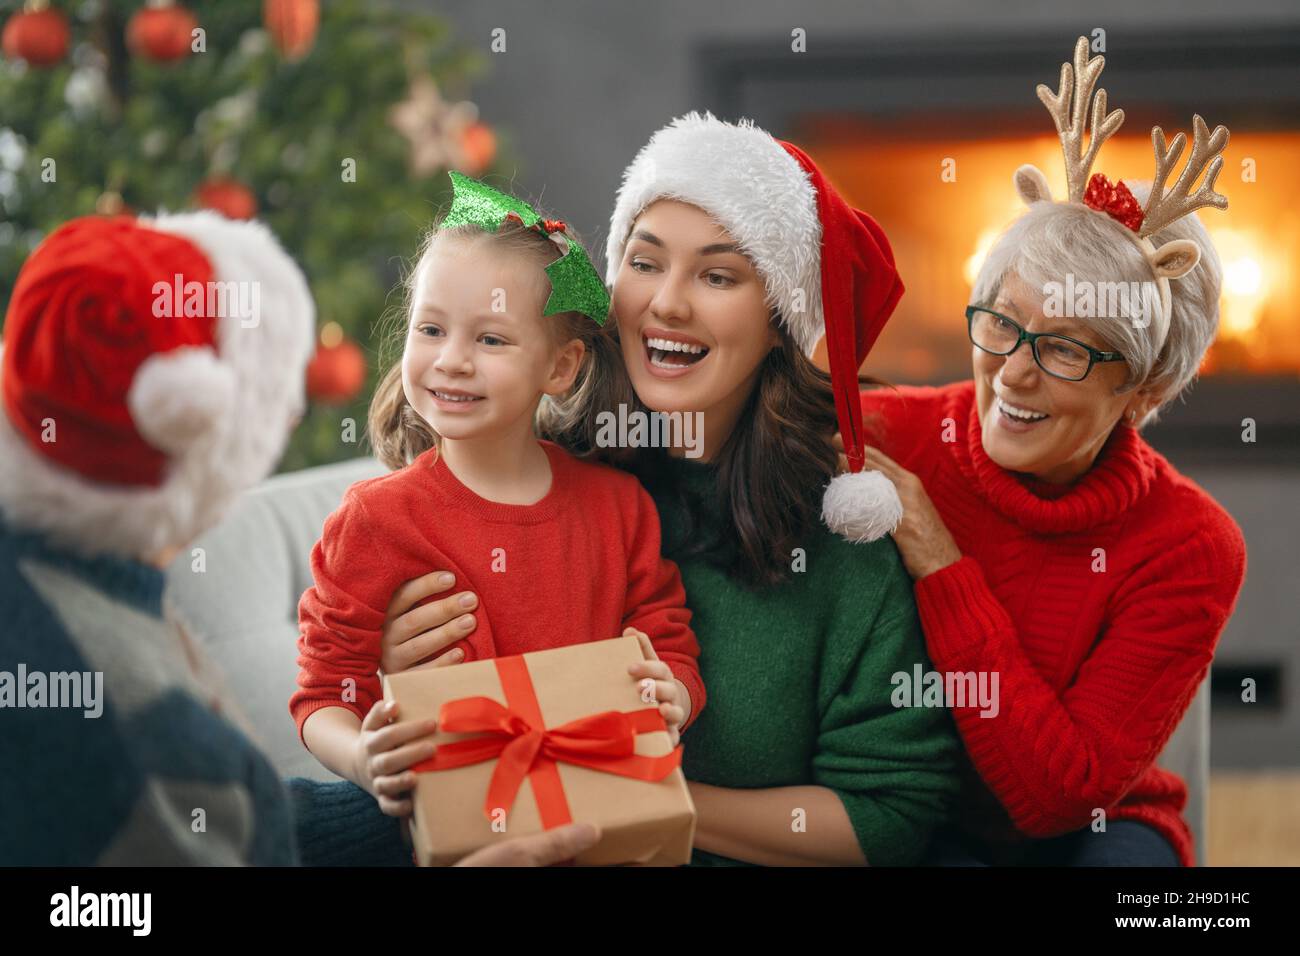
{"x": 243, "y": 609}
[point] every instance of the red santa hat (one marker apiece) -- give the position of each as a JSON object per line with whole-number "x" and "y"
{"x": 150, "y": 371}
{"x": 828, "y": 268}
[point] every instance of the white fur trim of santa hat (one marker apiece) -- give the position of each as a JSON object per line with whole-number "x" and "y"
{"x": 222, "y": 418}
{"x": 742, "y": 177}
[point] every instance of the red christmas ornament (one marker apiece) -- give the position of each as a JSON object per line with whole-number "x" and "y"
{"x": 338, "y": 369}
{"x": 1115, "y": 201}
{"x": 37, "y": 35}
{"x": 162, "y": 33}
{"x": 229, "y": 197}
{"x": 478, "y": 146}
{"x": 292, "y": 25}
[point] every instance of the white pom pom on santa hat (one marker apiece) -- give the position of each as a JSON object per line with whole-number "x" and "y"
{"x": 827, "y": 268}
{"x": 862, "y": 506}
{"x": 178, "y": 397}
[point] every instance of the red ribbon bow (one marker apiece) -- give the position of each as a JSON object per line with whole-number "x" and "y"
{"x": 517, "y": 738}
{"x": 1115, "y": 201}
{"x": 544, "y": 226}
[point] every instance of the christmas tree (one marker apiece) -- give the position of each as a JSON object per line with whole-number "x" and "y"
{"x": 327, "y": 121}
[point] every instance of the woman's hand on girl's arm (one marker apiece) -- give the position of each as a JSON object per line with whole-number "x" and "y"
{"x": 758, "y": 826}
{"x": 922, "y": 538}
{"x": 414, "y": 632}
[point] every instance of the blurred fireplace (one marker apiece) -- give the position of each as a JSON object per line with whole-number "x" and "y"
{"x": 881, "y": 117}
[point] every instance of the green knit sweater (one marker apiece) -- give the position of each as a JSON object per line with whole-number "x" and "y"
{"x": 799, "y": 679}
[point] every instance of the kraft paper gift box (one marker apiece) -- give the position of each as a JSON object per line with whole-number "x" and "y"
{"x": 503, "y": 779}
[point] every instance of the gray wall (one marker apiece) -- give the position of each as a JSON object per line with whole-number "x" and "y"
{"x": 1264, "y": 629}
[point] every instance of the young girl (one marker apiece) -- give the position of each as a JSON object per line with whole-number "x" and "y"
{"x": 560, "y": 551}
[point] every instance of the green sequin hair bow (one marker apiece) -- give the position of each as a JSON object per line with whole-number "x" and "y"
{"x": 575, "y": 285}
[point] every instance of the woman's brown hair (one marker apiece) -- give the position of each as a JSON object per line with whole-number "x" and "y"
{"x": 397, "y": 434}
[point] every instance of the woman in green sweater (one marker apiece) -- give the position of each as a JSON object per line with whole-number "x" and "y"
{"x": 801, "y": 755}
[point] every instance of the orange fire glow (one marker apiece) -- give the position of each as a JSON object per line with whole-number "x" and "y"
{"x": 941, "y": 230}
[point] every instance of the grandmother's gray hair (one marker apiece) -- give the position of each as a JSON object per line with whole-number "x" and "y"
{"x": 1053, "y": 239}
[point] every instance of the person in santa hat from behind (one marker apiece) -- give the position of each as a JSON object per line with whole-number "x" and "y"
{"x": 134, "y": 408}
{"x": 731, "y": 256}
{"x": 128, "y": 423}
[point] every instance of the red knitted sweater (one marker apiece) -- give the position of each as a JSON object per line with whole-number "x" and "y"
{"x": 580, "y": 565}
{"x": 1095, "y": 667}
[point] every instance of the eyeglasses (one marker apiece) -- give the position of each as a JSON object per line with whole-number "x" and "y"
{"x": 1058, "y": 355}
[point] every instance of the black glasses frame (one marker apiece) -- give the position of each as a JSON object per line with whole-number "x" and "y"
{"x": 1023, "y": 336}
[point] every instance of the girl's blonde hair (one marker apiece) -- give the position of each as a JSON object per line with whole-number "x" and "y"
{"x": 397, "y": 433}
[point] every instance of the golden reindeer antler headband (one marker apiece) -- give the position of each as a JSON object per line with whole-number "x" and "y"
{"x": 1070, "y": 107}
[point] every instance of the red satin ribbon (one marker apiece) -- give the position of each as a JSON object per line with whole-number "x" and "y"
{"x": 518, "y": 739}
{"x": 544, "y": 226}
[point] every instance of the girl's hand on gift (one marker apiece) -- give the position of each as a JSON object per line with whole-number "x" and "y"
{"x": 385, "y": 752}
{"x": 415, "y": 632}
{"x": 658, "y": 686}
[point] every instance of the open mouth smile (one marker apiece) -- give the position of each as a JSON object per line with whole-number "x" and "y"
{"x": 1016, "y": 417}
{"x": 671, "y": 354}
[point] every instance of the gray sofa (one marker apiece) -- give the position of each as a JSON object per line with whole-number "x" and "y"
{"x": 243, "y": 608}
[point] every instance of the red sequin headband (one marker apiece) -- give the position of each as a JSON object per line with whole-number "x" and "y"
{"x": 1115, "y": 201}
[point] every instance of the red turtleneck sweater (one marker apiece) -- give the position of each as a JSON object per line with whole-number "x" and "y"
{"x": 1096, "y": 668}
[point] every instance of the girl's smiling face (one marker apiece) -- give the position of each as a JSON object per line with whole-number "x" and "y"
{"x": 692, "y": 317}
{"x": 479, "y": 354}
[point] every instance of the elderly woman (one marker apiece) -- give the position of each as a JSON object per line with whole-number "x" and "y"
{"x": 1052, "y": 547}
